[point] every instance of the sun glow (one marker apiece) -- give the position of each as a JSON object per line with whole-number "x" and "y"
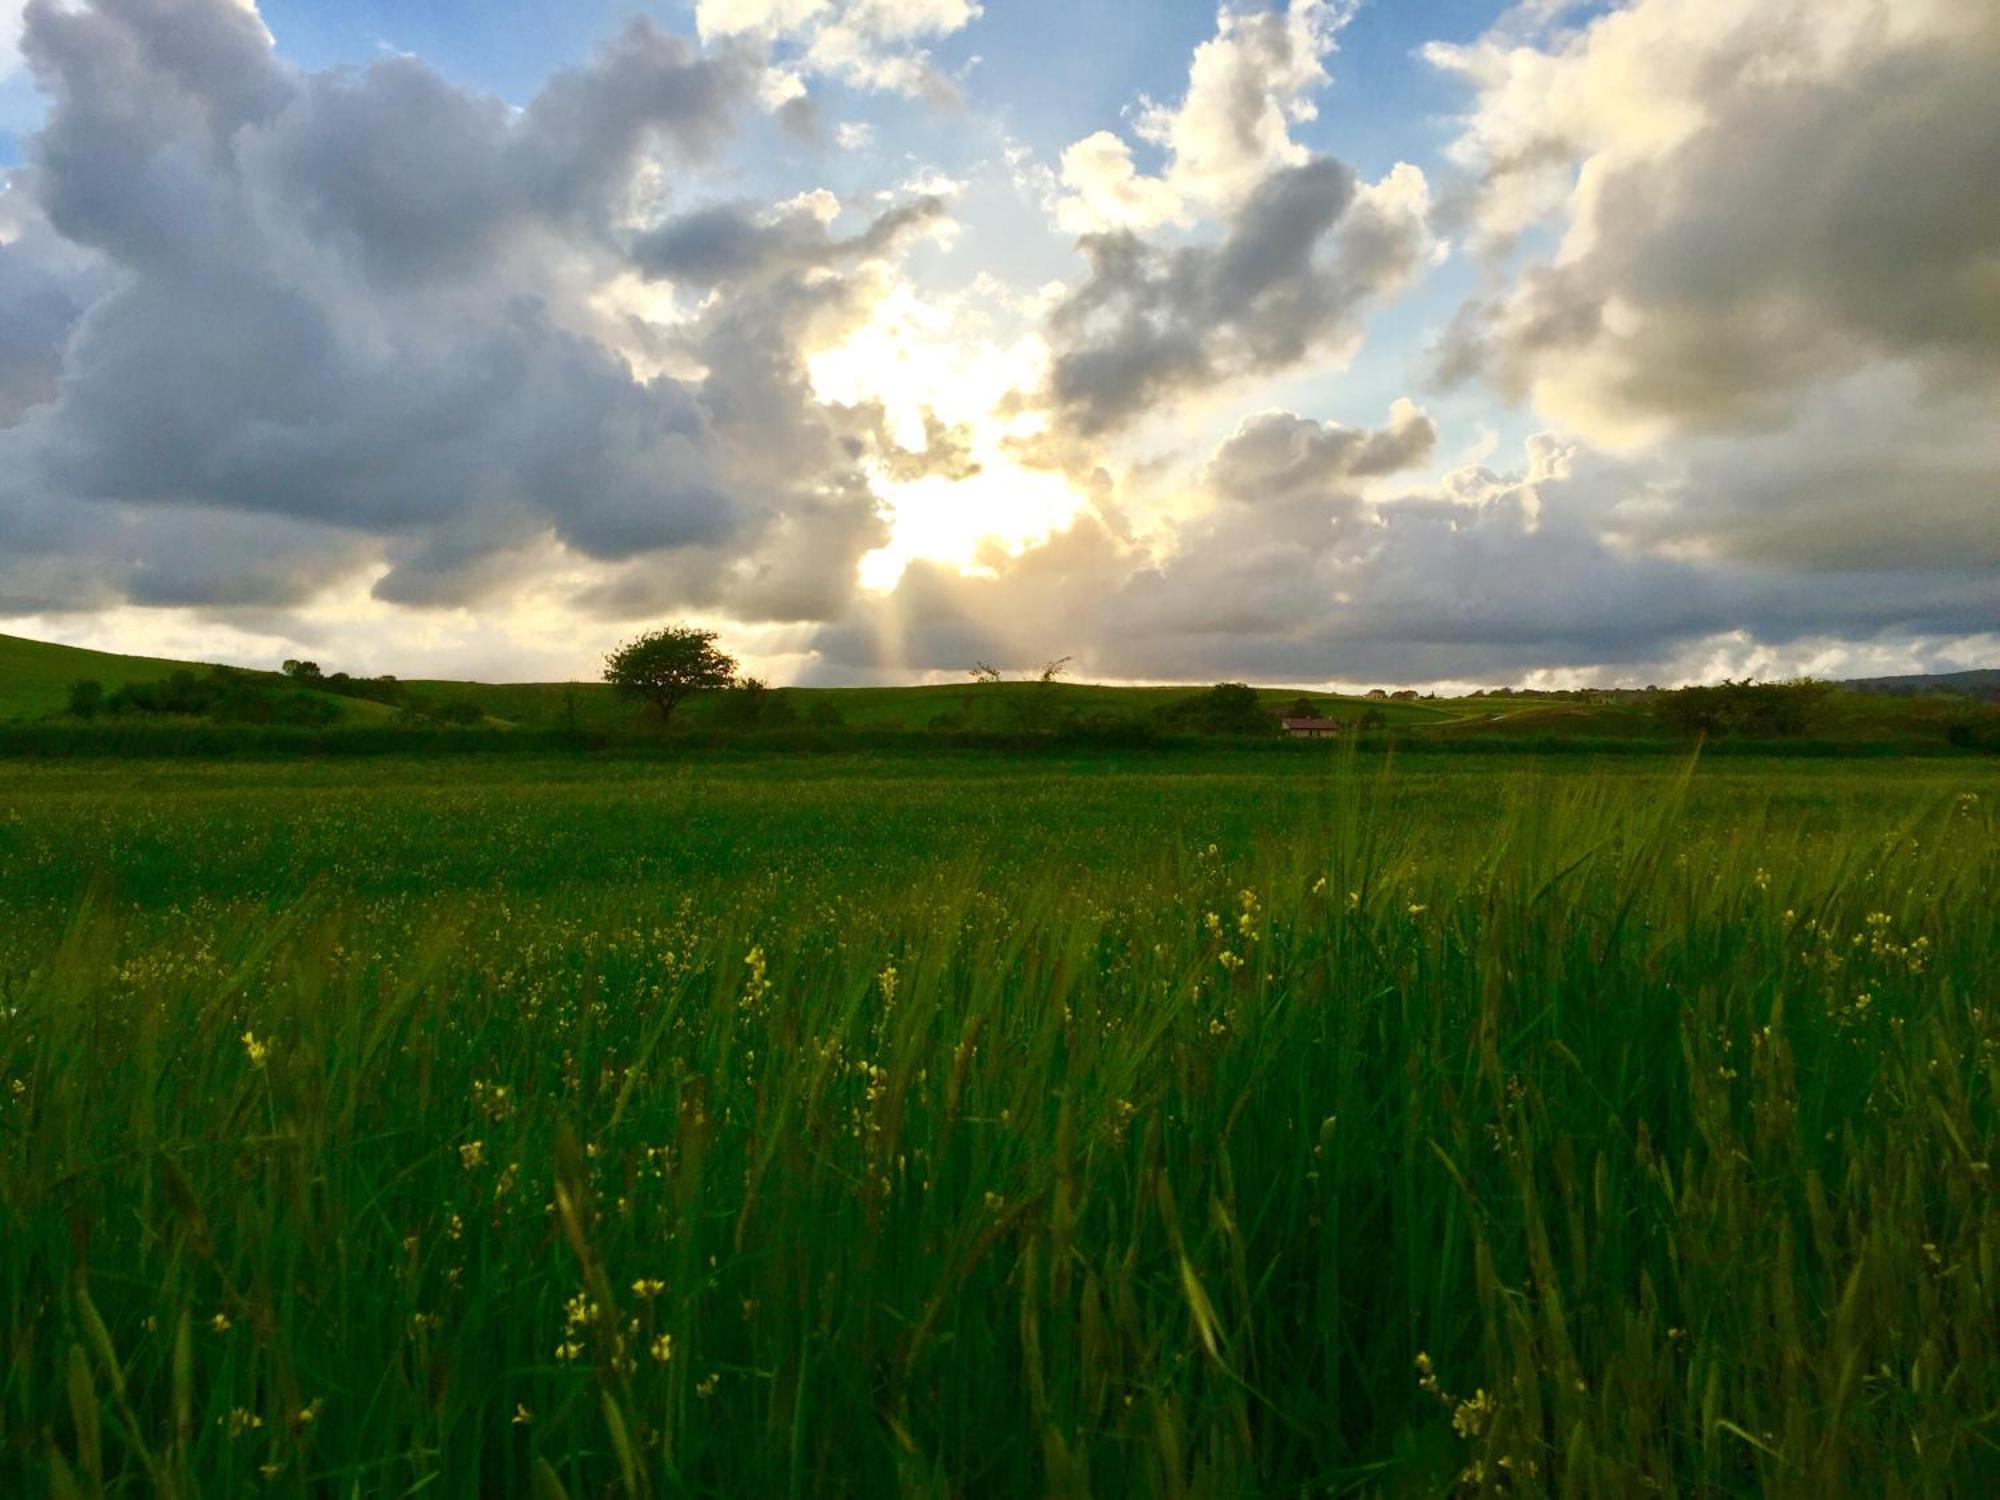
{"x": 1003, "y": 506}
{"x": 918, "y": 356}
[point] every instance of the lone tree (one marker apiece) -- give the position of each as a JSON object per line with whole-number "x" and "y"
{"x": 664, "y": 666}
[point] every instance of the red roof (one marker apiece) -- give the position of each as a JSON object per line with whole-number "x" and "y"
{"x": 1291, "y": 724}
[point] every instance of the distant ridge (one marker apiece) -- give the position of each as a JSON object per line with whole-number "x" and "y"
{"x": 1981, "y": 682}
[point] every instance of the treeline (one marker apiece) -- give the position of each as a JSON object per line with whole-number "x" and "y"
{"x": 387, "y": 691}
{"x": 300, "y": 696}
{"x": 1802, "y": 716}
{"x": 221, "y": 695}
{"x": 1226, "y": 709}
{"x": 1795, "y": 710}
{"x": 1757, "y": 710}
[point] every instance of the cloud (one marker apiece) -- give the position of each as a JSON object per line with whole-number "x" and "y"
{"x": 946, "y": 453}
{"x": 45, "y": 284}
{"x": 1278, "y": 456}
{"x": 367, "y": 344}
{"x": 1876, "y": 471}
{"x": 1752, "y": 201}
{"x": 1105, "y": 191}
{"x": 733, "y": 242}
{"x": 1247, "y": 86}
{"x": 1774, "y": 283}
{"x": 869, "y": 44}
{"x": 11, "y": 21}
{"x": 1488, "y": 576}
{"x": 266, "y": 328}
{"x": 1303, "y": 255}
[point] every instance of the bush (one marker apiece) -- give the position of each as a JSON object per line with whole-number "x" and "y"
{"x": 751, "y": 705}
{"x": 85, "y": 698}
{"x": 1226, "y": 708}
{"x": 225, "y": 696}
{"x": 1764, "y": 710}
{"x": 1976, "y": 732}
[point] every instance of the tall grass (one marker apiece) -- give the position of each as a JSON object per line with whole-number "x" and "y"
{"x": 1274, "y": 1132}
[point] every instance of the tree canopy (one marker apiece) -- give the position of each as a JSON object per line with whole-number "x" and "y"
{"x": 665, "y": 666}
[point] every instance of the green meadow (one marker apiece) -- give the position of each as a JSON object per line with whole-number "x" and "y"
{"x": 955, "y": 1125}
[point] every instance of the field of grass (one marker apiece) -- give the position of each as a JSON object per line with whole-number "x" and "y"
{"x": 1178, "y": 1127}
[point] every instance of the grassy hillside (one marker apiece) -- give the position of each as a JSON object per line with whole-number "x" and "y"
{"x": 35, "y": 675}
{"x": 35, "y": 678}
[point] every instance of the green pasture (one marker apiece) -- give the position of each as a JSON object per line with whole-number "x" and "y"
{"x": 1222, "y": 1125}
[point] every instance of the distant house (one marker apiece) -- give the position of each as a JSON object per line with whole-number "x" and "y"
{"x": 1310, "y": 729}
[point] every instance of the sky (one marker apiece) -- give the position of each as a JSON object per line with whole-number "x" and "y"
{"x": 1331, "y": 342}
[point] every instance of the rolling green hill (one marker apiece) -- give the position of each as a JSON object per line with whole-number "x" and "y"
{"x": 35, "y": 676}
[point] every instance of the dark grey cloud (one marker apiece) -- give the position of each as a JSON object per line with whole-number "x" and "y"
{"x": 423, "y": 178}
{"x": 1303, "y": 255}
{"x": 735, "y": 242}
{"x": 360, "y": 305}
{"x": 1276, "y": 455}
{"x": 45, "y": 284}
{"x": 1879, "y": 470}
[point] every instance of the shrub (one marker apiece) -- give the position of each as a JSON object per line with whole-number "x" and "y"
{"x": 86, "y": 697}
{"x": 1226, "y": 708}
{"x": 1767, "y": 710}
{"x": 751, "y": 705}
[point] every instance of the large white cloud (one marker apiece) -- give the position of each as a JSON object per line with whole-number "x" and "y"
{"x": 1757, "y": 247}
{"x": 870, "y": 44}
{"x": 267, "y": 327}
{"x": 1248, "y": 85}
{"x": 1751, "y": 200}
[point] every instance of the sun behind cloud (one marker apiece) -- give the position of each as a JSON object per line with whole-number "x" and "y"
{"x": 942, "y": 369}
